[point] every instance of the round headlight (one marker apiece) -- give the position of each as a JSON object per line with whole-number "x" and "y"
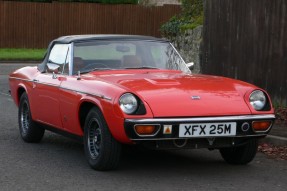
{"x": 128, "y": 103}
{"x": 258, "y": 100}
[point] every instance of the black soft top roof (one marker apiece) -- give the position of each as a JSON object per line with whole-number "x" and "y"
{"x": 80, "y": 38}
{"x": 90, "y": 37}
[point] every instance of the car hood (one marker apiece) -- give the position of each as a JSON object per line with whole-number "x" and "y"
{"x": 174, "y": 94}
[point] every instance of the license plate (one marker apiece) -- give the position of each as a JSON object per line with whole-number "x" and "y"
{"x": 207, "y": 129}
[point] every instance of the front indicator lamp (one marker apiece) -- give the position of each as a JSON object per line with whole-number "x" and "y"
{"x": 261, "y": 125}
{"x": 146, "y": 130}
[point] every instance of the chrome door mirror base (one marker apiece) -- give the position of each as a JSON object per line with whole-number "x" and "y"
{"x": 190, "y": 65}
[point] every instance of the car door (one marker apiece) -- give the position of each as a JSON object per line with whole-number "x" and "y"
{"x": 46, "y": 87}
{"x": 69, "y": 95}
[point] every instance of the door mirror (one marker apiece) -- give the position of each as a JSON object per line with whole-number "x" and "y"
{"x": 190, "y": 65}
{"x": 53, "y": 68}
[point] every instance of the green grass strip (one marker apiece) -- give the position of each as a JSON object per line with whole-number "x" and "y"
{"x": 21, "y": 54}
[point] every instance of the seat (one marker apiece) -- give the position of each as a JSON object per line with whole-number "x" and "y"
{"x": 131, "y": 61}
{"x": 78, "y": 64}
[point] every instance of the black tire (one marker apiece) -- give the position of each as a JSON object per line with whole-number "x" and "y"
{"x": 240, "y": 155}
{"x": 102, "y": 151}
{"x": 29, "y": 131}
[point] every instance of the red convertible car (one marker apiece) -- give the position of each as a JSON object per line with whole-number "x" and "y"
{"x": 110, "y": 90}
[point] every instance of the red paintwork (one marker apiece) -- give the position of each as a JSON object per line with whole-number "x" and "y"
{"x": 165, "y": 93}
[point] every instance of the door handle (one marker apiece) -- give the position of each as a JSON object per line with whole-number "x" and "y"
{"x": 35, "y": 80}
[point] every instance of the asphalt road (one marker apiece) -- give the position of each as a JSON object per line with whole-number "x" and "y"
{"x": 58, "y": 163}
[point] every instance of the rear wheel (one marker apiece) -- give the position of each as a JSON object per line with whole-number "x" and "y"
{"x": 28, "y": 128}
{"x": 101, "y": 149}
{"x": 240, "y": 155}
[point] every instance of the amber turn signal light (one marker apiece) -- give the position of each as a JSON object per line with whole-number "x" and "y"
{"x": 146, "y": 129}
{"x": 261, "y": 125}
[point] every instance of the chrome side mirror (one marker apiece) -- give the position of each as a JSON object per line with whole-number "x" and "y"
{"x": 53, "y": 68}
{"x": 190, "y": 65}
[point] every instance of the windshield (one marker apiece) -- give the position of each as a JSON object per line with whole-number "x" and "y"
{"x": 129, "y": 54}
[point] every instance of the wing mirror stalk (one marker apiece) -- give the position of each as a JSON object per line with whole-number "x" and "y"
{"x": 54, "y": 68}
{"x": 54, "y": 76}
{"x": 79, "y": 75}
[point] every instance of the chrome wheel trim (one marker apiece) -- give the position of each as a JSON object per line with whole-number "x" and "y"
{"x": 25, "y": 118}
{"x": 94, "y": 138}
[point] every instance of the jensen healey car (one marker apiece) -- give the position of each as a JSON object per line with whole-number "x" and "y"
{"x": 111, "y": 90}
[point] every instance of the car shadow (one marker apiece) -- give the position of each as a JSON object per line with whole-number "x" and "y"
{"x": 162, "y": 159}
{"x": 139, "y": 159}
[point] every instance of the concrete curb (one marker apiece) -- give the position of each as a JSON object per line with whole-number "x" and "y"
{"x": 274, "y": 140}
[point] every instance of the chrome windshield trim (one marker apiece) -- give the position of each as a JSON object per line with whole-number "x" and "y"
{"x": 180, "y": 58}
{"x": 204, "y": 119}
{"x": 71, "y": 60}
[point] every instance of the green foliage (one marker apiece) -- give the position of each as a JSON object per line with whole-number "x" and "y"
{"x": 21, "y": 54}
{"x": 192, "y": 8}
{"x": 196, "y": 21}
{"x": 173, "y": 26}
{"x": 88, "y": 1}
{"x": 190, "y": 17}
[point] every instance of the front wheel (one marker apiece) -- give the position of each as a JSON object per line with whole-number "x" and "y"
{"x": 240, "y": 155}
{"x": 101, "y": 149}
{"x": 29, "y": 130}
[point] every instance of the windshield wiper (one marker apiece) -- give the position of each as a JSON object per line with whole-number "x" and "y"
{"x": 142, "y": 67}
{"x": 101, "y": 69}
{"x": 95, "y": 69}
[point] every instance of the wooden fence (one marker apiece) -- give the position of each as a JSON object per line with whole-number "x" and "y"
{"x": 34, "y": 25}
{"x": 247, "y": 40}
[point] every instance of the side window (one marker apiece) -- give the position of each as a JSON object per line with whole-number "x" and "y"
{"x": 59, "y": 55}
{"x": 166, "y": 57}
{"x": 158, "y": 55}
